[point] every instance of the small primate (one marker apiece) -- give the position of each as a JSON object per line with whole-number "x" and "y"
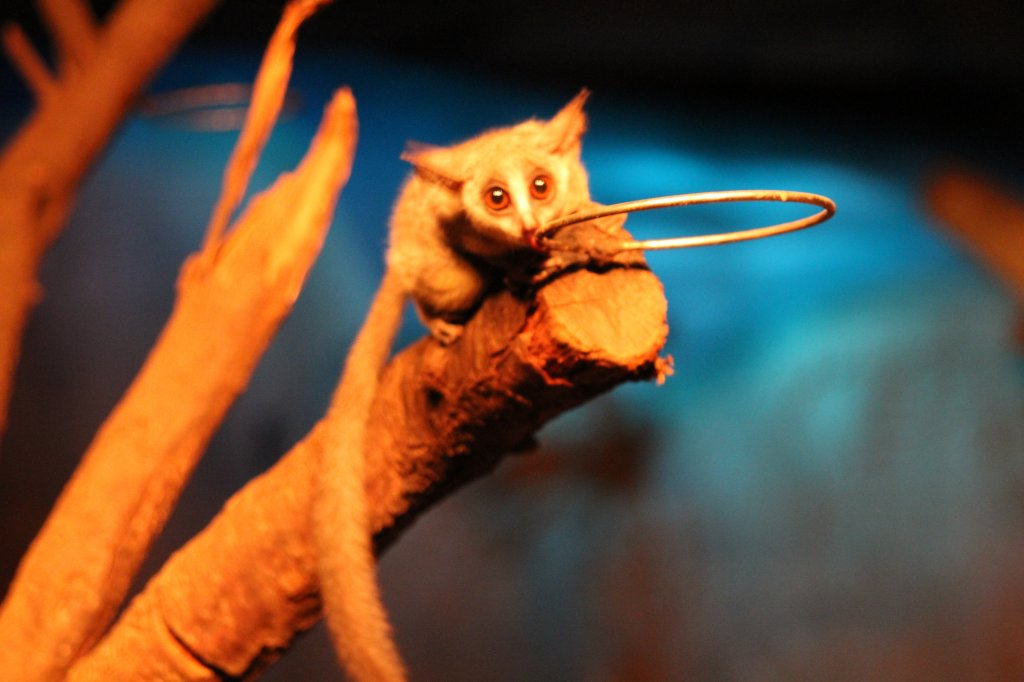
{"x": 466, "y": 214}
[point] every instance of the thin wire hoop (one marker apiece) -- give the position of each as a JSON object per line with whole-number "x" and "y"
{"x": 827, "y": 205}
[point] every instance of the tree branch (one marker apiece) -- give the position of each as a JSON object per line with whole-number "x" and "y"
{"x": 986, "y": 220}
{"x": 233, "y": 599}
{"x": 42, "y": 165}
{"x": 231, "y": 298}
{"x": 28, "y": 62}
{"x": 74, "y": 30}
{"x": 267, "y": 98}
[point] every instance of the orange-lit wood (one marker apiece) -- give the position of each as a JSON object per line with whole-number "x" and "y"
{"x": 231, "y": 298}
{"x": 986, "y": 220}
{"x": 233, "y": 599}
{"x": 100, "y": 72}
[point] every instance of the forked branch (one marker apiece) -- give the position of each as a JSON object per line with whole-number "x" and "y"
{"x": 101, "y": 71}
{"x": 231, "y": 299}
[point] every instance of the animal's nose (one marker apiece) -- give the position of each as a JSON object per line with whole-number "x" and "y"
{"x": 530, "y": 227}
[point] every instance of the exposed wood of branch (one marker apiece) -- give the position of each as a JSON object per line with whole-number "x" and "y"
{"x": 989, "y": 222}
{"x": 42, "y": 165}
{"x": 79, "y": 567}
{"x": 232, "y": 600}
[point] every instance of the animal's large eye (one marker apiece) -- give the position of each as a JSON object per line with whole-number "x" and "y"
{"x": 496, "y": 198}
{"x": 540, "y": 186}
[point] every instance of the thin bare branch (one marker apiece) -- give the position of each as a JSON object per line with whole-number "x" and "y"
{"x": 267, "y": 97}
{"x": 30, "y": 65}
{"x": 73, "y": 26}
{"x": 42, "y": 165}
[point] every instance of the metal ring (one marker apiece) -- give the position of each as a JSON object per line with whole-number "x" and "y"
{"x": 215, "y": 107}
{"x": 827, "y": 205}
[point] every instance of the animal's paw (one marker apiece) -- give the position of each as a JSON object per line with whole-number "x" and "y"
{"x": 444, "y": 331}
{"x": 549, "y": 268}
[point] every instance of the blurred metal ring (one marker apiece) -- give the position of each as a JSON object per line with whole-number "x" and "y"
{"x": 827, "y": 205}
{"x": 213, "y": 107}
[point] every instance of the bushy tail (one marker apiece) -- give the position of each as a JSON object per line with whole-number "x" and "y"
{"x": 356, "y": 619}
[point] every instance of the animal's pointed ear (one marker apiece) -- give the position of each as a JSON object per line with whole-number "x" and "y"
{"x": 565, "y": 128}
{"x": 433, "y": 163}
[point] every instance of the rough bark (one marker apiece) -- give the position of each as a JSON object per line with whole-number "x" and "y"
{"x": 233, "y": 599}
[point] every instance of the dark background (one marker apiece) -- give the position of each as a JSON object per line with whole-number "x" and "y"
{"x": 831, "y": 485}
{"x": 942, "y": 56}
